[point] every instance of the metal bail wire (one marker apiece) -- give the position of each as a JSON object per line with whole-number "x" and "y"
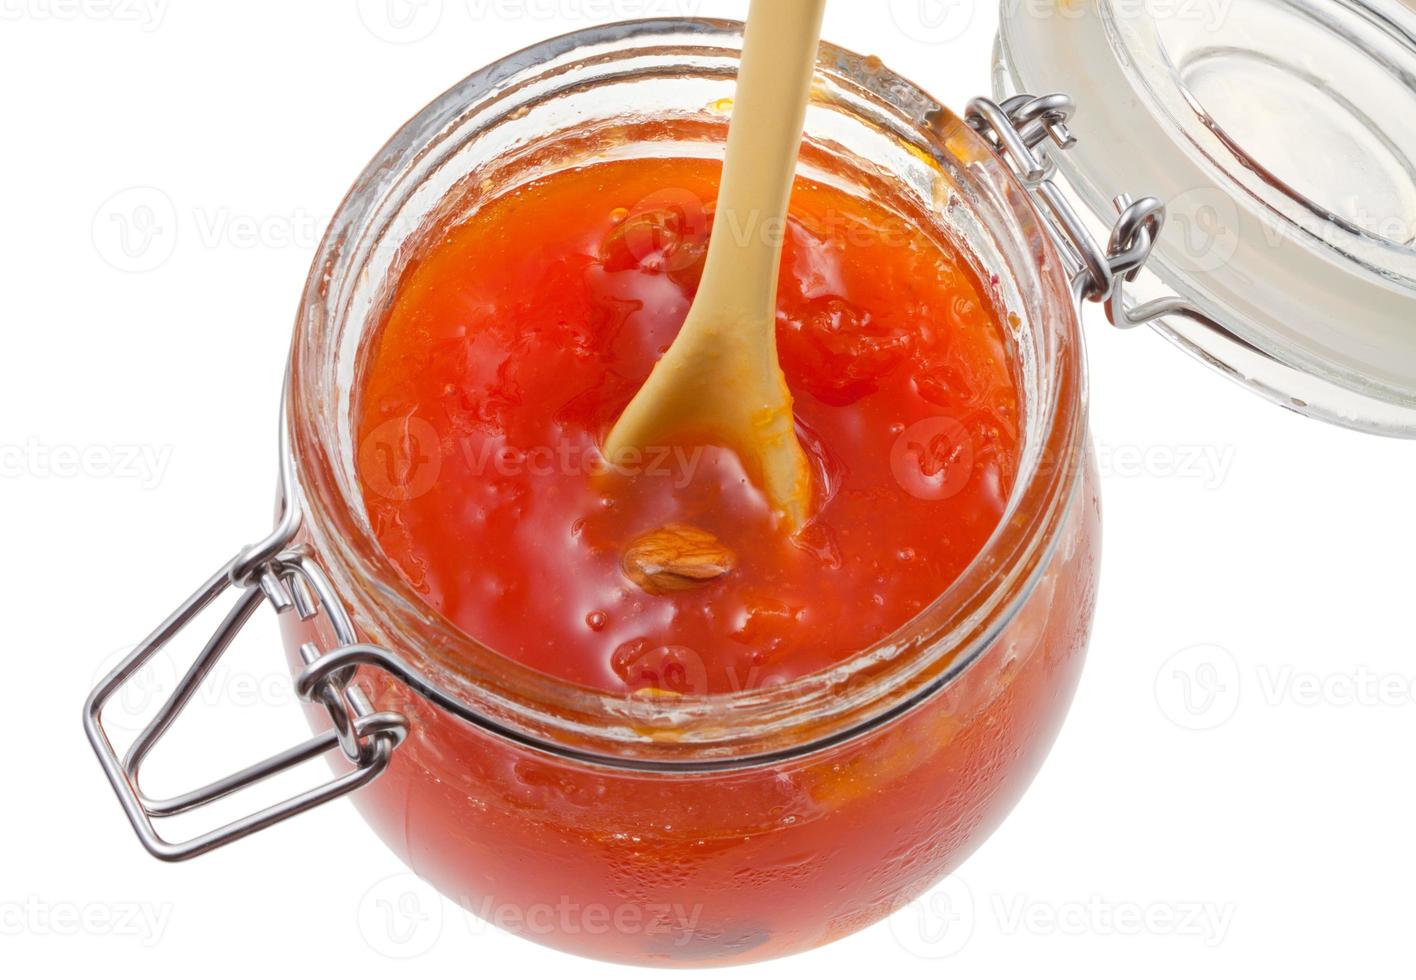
{"x": 291, "y": 583}
{"x": 1025, "y": 131}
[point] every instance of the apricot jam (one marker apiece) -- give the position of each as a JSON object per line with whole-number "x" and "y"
{"x": 513, "y": 336}
{"x": 519, "y": 335}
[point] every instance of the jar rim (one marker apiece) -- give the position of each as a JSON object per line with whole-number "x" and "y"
{"x": 870, "y": 687}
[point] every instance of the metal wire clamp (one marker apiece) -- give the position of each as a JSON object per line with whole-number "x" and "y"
{"x": 1020, "y": 130}
{"x": 291, "y": 583}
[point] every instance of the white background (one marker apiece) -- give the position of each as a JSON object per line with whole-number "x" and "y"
{"x": 1264, "y": 825}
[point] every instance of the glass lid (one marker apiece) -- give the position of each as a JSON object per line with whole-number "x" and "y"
{"x": 1281, "y": 135}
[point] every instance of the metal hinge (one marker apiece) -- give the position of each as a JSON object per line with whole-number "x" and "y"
{"x": 292, "y": 584}
{"x": 1025, "y": 131}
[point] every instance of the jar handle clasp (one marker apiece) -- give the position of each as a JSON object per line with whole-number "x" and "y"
{"x": 1020, "y": 130}
{"x": 292, "y": 583}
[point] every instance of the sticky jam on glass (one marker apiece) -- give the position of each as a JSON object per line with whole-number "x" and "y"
{"x": 519, "y": 335}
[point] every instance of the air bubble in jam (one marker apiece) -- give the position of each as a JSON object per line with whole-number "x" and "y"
{"x": 521, "y": 333}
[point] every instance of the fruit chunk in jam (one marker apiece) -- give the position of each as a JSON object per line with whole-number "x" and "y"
{"x": 518, "y": 336}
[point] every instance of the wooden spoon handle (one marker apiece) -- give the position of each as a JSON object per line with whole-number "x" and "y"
{"x": 764, "y": 141}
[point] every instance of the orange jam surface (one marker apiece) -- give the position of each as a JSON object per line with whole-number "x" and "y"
{"x": 518, "y": 336}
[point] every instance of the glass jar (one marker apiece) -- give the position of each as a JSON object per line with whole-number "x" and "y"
{"x": 921, "y": 743}
{"x": 714, "y": 829}
{"x": 728, "y": 828}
